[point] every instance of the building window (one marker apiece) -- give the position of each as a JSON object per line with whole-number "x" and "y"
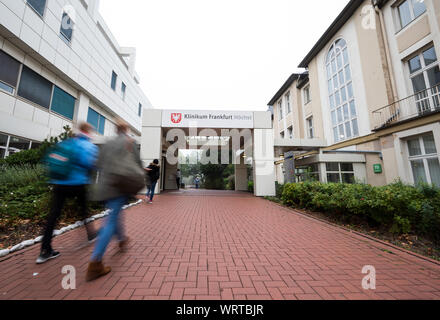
{"x": 114, "y": 80}
{"x": 280, "y": 110}
{"x": 310, "y": 130}
{"x": 340, "y": 87}
{"x": 424, "y": 159}
{"x": 96, "y": 120}
{"x": 425, "y": 78}
{"x": 289, "y": 108}
{"x": 307, "y": 173}
{"x": 409, "y": 10}
{"x": 282, "y": 135}
{"x": 123, "y": 90}
{"x": 38, "y": 5}
{"x": 63, "y": 103}
{"x": 35, "y": 88}
{"x": 290, "y": 132}
{"x": 307, "y": 98}
{"x": 140, "y": 110}
{"x": 66, "y": 29}
{"x": 340, "y": 172}
{"x": 9, "y": 71}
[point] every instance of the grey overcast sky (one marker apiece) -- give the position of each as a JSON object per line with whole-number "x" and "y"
{"x": 217, "y": 54}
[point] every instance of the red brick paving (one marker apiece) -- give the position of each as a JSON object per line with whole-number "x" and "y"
{"x": 223, "y": 245}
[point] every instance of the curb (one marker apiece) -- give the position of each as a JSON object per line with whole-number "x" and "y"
{"x": 78, "y": 224}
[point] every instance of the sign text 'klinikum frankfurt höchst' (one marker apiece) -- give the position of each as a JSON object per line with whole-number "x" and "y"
{"x": 207, "y": 119}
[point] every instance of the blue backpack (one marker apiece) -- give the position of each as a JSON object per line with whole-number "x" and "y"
{"x": 60, "y": 160}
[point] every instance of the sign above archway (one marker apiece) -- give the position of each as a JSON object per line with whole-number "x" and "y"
{"x": 207, "y": 119}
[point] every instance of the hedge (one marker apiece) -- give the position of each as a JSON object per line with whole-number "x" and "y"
{"x": 399, "y": 207}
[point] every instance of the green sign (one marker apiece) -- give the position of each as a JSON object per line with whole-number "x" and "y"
{"x": 377, "y": 168}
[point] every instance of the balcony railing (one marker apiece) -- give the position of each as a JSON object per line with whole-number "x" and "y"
{"x": 420, "y": 104}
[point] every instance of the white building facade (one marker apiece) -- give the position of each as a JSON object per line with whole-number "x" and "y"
{"x": 59, "y": 66}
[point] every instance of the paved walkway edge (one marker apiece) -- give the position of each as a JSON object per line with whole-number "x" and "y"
{"x": 8, "y": 253}
{"x": 360, "y": 234}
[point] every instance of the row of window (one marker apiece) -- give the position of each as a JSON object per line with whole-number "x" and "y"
{"x": 113, "y": 85}
{"x": 16, "y": 78}
{"x": 10, "y": 145}
{"x": 310, "y": 130}
{"x": 307, "y": 99}
{"x": 336, "y": 173}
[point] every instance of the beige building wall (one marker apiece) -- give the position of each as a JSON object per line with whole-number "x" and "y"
{"x": 314, "y": 108}
{"x": 413, "y": 34}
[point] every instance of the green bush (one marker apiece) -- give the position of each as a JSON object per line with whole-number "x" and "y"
{"x": 399, "y": 207}
{"x": 251, "y": 186}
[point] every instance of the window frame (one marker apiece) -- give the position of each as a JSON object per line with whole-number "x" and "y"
{"x": 288, "y": 104}
{"x": 113, "y": 87}
{"x": 64, "y": 36}
{"x": 36, "y": 11}
{"x": 290, "y": 133}
{"x": 412, "y": 13}
{"x": 427, "y": 99}
{"x": 310, "y": 127}
{"x": 340, "y": 172}
{"x": 334, "y": 86}
{"x": 307, "y": 97}
{"x": 423, "y": 156}
{"x": 123, "y": 90}
{"x": 140, "y": 110}
{"x": 280, "y": 110}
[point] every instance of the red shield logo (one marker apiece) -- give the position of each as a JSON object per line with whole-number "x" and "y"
{"x": 176, "y": 118}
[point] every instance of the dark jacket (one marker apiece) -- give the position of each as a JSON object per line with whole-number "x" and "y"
{"x": 154, "y": 174}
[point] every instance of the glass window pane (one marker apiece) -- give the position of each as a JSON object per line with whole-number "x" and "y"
{"x": 414, "y": 147}
{"x": 9, "y": 69}
{"x": 340, "y": 115}
{"x": 6, "y": 88}
{"x": 352, "y": 108}
{"x": 35, "y": 88}
{"x": 330, "y": 86}
{"x": 335, "y": 82}
{"x": 332, "y": 166}
{"x": 335, "y": 134}
{"x": 333, "y": 67}
{"x": 339, "y": 61}
{"x": 114, "y": 79}
{"x": 35, "y": 145}
{"x": 429, "y": 144}
{"x": 348, "y": 129}
{"x": 63, "y": 103}
{"x": 341, "y": 77}
{"x": 347, "y": 73}
{"x": 101, "y": 125}
{"x": 429, "y": 56}
{"x": 3, "y": 140}
{"x": 418, "y": 169}
{"x": 341, "y": 43}
{"x": 38, "y": 5}
{"x": 434, "y": 76}
{"x": 414, "y": 64}
{"x": 405, "y": 14}
{"x": 418, "y": 83}
{"x": 341, "y": 132}
{"x": 333, "y": 178}
{"x": 334, "y": 122}
{"x": 329, "y": 72}
{"x": 93, "y": 118}
{"x": 350, "y": 90}
{"x": 346, "y": 114}
{"x": 347, "y": 167}
{"x": 338, "y": 98}
{"x": 19, "y": 144}
{"x": 332, "y": 102}
{"x": 66, "y": 27}
{"x": 343, "y": 95}
{"x": 348, "y": 178}
{"x": 355, "y": 128}
{"x": 2, "y": 153}
{"x": 434, "y": 171}
{"x": 419, "y": 7}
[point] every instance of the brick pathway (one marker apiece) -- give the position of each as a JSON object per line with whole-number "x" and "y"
{"x": 223, "y": 245}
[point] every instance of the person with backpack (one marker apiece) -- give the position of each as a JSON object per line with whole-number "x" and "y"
{"x": 153, "y": 173}
{"x": 121, "y": 175}
{"x": 69, "y": 165}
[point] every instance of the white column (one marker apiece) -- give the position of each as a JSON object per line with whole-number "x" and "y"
{"x": 264, "y": 166}
{"x": 82, "y": 108}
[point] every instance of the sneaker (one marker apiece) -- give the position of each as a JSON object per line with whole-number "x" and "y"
{"x": 124, "y": 243}
{"x": 150, "y": 202}
{"x": 46, "y": 256}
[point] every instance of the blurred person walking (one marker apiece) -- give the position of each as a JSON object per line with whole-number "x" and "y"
{"x": 153, "y": 173}
{"x": 120, "y": 176}
{"x": 178, "y": 179}
{"x": 69, "y": 165}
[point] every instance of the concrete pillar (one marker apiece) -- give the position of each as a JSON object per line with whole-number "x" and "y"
{"x": 264, "y": 166}
{"x": 241, "y": 178}
{"x": 82, "y": 108}
{"x": 151, "y": 142}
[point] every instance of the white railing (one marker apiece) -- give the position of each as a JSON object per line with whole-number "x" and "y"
{"x": 419, "y": 104}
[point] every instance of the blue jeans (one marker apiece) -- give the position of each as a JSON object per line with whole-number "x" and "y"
{"x": 112, "y": 227}
{"x": 151, "y": 190}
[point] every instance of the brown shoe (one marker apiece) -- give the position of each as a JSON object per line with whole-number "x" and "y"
{"x": 123, "y": 244}
{"x": 96, "y": 270}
